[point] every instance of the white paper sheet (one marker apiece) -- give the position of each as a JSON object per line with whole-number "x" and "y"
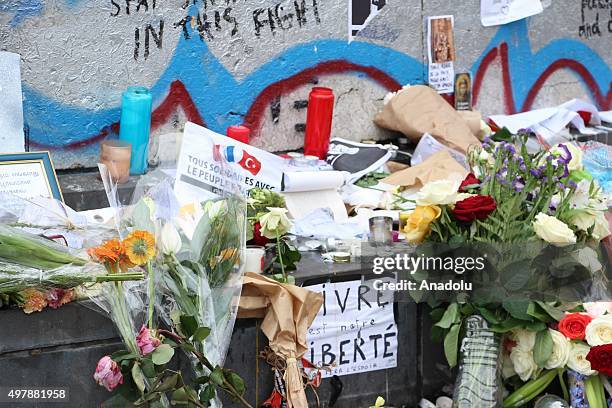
{"x": 312, "y": 180}
{"x": 548, "y": 123}
{"x": 497, "y": 12}
{"x": 301, "y": 204}
{"x": 11, "y": 104}
{"x": 441, "y": 75}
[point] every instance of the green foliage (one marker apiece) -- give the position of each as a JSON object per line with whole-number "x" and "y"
{"x": 543, "y": 347}
{"x": 371, "y": 179}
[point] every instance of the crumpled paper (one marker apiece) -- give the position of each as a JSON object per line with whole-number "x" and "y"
{"x": 287, "y": 312}
{"x": 418, "y": 110}
{"x": 440, "y": 166}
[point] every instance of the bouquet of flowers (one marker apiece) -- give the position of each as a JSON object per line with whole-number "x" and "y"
{"x": 541, "y": 217}
{"x": 192, "y": 256}
{"x": 36, "y": 272}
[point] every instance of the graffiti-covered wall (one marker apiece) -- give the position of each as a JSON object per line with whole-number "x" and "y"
{"x": 224, "y": 62}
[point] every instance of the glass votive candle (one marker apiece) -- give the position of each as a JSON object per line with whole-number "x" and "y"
{"x": 381, "y": 230}
{"x": 116, "y": 155}
{"x": 254, "y": 259}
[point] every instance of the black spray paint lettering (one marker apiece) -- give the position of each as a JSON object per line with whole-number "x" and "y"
{"x": 149, "y": 33}
{"x": 204, "y": 22}
{"x": 137, "y": 5}
{"x": 282, "y": 15}
{"x": 590, "y": 18}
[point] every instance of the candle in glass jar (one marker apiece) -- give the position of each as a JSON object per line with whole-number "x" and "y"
{"x": 116, "y": 156}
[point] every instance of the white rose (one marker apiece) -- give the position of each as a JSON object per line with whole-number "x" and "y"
{"x": 507, "y": 367}
{"x": 577, "y": 359}
{"x": 560, "y": 352}
{"x": 583, "y": 220}
{"x": 599, "y": 331}
{"x": 440, "y": 192}
{"x": 523, "y": 362}
{"x": 552, "y": 230}
{"x": 525, "y": 339}
{"x": 274, "y": 223}
{"x": 576, "y": 161}
{"x": 170, "y": 239}
{"x": 597, "y": 309}
{"x": 602, "y": 228}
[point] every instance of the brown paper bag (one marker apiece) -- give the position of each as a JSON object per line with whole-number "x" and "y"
{"x": 287, "y": 311}
{"x": 439, "y": 166}
{"x": 418, "y": 110}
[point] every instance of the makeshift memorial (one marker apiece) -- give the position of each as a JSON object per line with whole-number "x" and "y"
{"x": 523, "y": 206}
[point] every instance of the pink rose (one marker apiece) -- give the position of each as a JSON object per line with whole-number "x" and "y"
{"x": 108, "y": 373}
{"x": 146, "y": 343}
{"x": 598, "y": 309}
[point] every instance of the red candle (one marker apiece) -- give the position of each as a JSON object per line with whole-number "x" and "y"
{"x": 319, "y": 122}
{"x": 239, "y": 133}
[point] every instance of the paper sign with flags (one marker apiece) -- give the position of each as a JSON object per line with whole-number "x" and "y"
{"x": 211, "y": 164}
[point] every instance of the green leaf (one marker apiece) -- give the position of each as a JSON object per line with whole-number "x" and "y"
{"x": 180, "y": 397}
{"x": 162, "y": 354}
{"x": 121, "y": 355}
{"x": 543, "y": 347}
{"x": 451, "y": 345}
{"x": 552, "y": 311}
{"x": 450, "y": 317}
{"x": 488, "y": 315}
{"x": 237, "y": 382}
{"x": 141, "y": 217}
{"x": 189, "y": 325}
{"x": 167, "y": 384}
{"x": 147, "y": 367}
{"x": 536, "y": 311}
{"x": 517, "y": 309}
{"x": 535, "y": 326}
{"x": 138, "y": 377}
{"x": 201, "y": 333}
{"x": 217, "y": 377}
{"x": 208, "y": 393}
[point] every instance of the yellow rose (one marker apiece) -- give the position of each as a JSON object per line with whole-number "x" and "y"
{"x": 417, "y": 224}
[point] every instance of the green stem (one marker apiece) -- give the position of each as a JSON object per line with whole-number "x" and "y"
{"x": 563, "y": 386}
{"x": 151, "y": 293}
{"x": 280, "y": 258}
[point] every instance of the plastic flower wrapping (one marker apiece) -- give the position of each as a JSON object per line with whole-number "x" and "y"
{"x": 192, "y": 256}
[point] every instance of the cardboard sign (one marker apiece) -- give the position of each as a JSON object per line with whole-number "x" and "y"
{"x": 354, "y": 331}
{"x": 211, "y": 164}
{"x": 441, "y": 53}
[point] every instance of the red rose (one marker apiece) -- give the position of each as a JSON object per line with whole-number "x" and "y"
{"x": 470, "y": 180}
{"x": 574, "y": 325}
{"x": 600, "y": 358}
{"x": 474, "y": 208}
{"x": 259, "y": 239}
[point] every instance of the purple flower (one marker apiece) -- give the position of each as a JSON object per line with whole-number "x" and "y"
{"x": 535, "y": 172}
{"x": 572, "y": 184}
{"x": 518, "y": 185}
{"x": 522, "y": 167}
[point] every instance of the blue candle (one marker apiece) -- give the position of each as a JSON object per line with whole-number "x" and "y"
{"x": 135, "y": 125}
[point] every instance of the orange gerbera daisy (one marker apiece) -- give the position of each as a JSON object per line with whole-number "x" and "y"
{"x": 112, "y": 254}
{"x": 140, "y": 247}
